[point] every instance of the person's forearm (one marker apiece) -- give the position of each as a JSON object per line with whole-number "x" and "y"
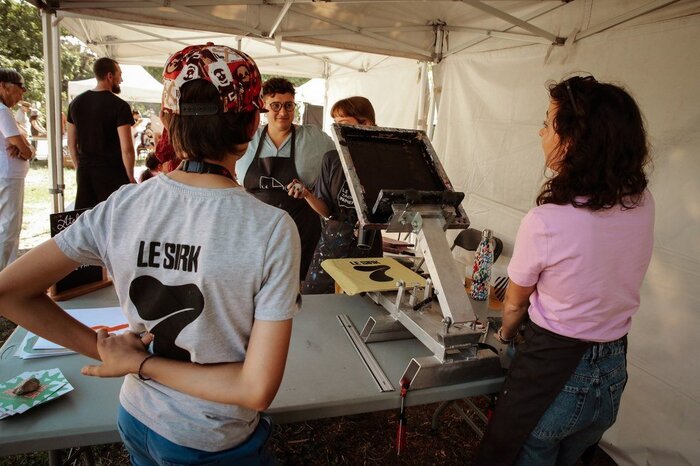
{"x": 298, "y": 190}
{"x": 128, "y": 159}
{"x": 211, "y": 382}
{"x": 23, "y": 298}
{"x": 513, "y": 316}
{"x": 73, "y": 152}
{"x": 126, "y": 143}
{"x": 515, "y": 306}
{"x": 42, "y": 316}
{"x": 252, "y": 383}
{"x": 317, "y": 204}
{"x": 24, "y": 149}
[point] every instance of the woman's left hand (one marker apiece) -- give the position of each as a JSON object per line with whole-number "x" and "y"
{"x": 120, "y": 354}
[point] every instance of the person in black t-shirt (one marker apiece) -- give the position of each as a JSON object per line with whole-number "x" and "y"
{"x": 332, "y": 200}
{"x": 99, "y": 137}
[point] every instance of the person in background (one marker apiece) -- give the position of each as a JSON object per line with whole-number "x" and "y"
{"x": 207, "y": 348}
{"x": 136, "y": 115}
{"x": 37, "y": 131}
{"x": 156, "y": 126}
{"x": 15, "y": 153}
{"x": 64, "y": 123}
{"x": 281, "y": 152}
{"x": 332, "y": 200}
{"x": 22, "y": 117}
{"x": 99, "y": 137}
{"x": 579, "y": 260}
{"x": 164, "y": 151}
{"x": 148, "y": 138}
{"x": 153, "y": 167}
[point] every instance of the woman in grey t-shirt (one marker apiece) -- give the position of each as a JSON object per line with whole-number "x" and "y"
{"x": 208, "y": 301}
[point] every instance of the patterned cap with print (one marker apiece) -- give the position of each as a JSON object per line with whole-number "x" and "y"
{"x": 234, "y": 74}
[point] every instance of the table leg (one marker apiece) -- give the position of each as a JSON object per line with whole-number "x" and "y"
{"x": 55, "y": 458}
{"x": 88, "y": 458}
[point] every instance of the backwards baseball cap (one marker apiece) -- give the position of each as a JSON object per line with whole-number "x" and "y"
{"x": 234, "y": 74}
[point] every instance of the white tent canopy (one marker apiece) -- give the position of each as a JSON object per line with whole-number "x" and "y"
{"x": 137, "y": 86}
{"x": 490, "y": 60}
{"x": 312, "y": 92}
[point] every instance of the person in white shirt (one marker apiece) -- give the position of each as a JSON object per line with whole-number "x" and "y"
{"x": 22, "y": 116}
{"x": 15, "y": 153}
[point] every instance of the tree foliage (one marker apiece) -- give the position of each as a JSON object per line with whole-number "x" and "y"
{"x": 21, "y": 48}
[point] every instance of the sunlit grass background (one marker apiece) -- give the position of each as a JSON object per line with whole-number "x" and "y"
{"x": 38, "y": 202}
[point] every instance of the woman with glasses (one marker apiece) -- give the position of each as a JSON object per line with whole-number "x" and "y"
{"x": 15, "y": 153}
{"x": 579, "y": 260}
{"x": 331, "y": 199}
{"x": 281, "y": 152}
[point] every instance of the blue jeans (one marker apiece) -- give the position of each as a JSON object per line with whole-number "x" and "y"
{"x": 147, "y": 448}
{"x": 584, "y": 409}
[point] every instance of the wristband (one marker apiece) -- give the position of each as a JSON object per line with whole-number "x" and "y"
{"x": 500, "y": 337}
{"x": 141, "y": 367}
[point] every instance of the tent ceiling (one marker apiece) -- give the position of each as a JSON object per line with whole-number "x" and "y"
{"x": 303, "y": 37}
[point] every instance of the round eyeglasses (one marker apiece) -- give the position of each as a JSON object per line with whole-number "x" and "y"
{"x": 277, "y": 106}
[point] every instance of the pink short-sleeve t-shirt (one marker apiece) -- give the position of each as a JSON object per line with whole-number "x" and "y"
{"x": 587, "y": 267}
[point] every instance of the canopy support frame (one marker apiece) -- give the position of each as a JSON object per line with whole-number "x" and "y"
{"x": 52, "y": 82}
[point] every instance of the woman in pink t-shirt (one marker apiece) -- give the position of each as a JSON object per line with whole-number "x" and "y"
{"x": 579, "y": 260}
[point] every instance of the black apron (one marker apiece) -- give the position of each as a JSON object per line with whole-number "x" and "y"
{"x": 267, "y": 179}
{"x": 540, "y": 369}
{"x": 338, "y": 239}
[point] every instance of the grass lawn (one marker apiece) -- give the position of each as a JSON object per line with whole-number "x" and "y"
{"x": 38, "y": 203}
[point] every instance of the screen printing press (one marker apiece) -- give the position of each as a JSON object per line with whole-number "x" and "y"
{"x": 398, "y": 174}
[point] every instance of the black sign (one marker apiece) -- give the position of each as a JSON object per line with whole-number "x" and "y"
{"x": 83, "y": 275}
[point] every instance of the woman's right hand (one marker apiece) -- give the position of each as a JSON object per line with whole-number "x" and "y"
{"x": 297, "y": 190}
{"x": 120, "y": 354}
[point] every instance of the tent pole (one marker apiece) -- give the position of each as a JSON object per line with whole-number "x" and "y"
{"x": 52, "y": 83}
{"x": 421, "y": 121}
{"x": 432, "y": 104}
{"x": 326, "y": 77}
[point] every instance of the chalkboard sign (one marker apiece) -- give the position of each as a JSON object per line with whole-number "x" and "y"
{"x": 85, "y": 278}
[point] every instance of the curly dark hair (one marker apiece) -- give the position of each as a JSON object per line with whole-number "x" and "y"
{"x": 603, "y": 146}
{"x": 277, "y": 86}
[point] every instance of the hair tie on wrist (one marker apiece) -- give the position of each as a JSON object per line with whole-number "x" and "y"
{"x": 499, "y": 334}
{"x": 141, "y": 367}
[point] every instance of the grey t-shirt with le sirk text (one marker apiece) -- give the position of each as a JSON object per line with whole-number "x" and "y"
{"x": 194, "y": 266}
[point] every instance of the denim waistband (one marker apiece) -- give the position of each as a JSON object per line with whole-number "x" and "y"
{"x": 609, "y": 348}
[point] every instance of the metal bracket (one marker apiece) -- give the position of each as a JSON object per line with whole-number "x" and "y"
{"x": 384, "y": 328}
{"x": 366, "y": 355}
{"x": 428, "y": 371}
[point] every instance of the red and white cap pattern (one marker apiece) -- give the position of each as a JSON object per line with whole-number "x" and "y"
{"x": 231, "y": 71}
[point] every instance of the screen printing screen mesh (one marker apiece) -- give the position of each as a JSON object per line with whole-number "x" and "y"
{"x": 390, "y": 160}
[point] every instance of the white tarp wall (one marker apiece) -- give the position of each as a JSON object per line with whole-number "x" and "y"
{"x": 487, "y": 139}
{"x": 312, "y": 92}
{"x": 138, "y": 85}
{"x": 393, "y": 87}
